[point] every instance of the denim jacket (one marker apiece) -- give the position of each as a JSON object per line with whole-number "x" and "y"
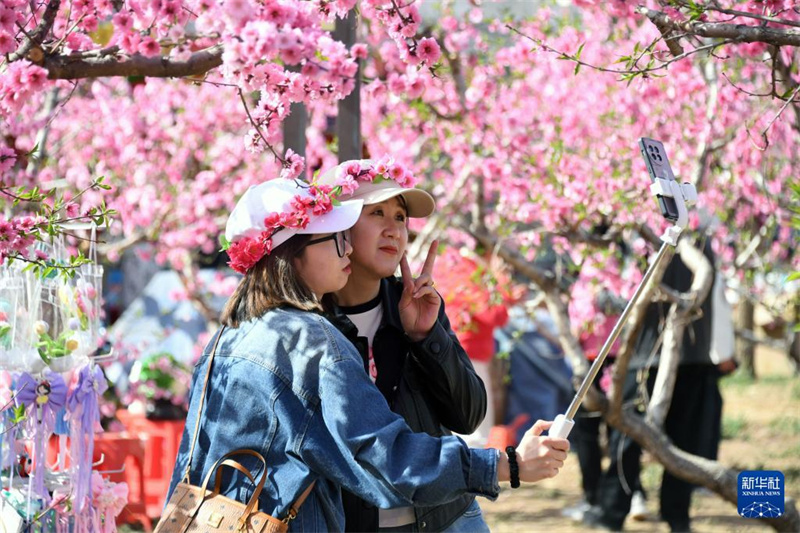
{"x": 291, "y": 387}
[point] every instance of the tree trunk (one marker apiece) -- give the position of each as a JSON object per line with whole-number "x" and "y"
{"x": 794, "y": 348}
{"x": 745, "y": 348}
{"x": 294, "y": 128}
{"x": 348, "y": 120}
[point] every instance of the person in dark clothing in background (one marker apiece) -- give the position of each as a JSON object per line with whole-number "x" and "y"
{"x": 693, "y": 422}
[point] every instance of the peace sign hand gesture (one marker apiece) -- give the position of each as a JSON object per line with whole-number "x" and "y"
{"x": 419, "y": 303}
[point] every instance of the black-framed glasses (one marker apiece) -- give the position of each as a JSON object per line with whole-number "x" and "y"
{"x": 340, "y": 238}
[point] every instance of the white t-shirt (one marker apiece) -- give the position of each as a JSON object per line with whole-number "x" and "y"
{"x": 367, "y": 320}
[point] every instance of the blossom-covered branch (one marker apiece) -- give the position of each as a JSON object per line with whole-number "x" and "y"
{"x": 19, "y": 234}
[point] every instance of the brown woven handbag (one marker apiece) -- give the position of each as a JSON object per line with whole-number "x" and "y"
{"x": 193, "y": 509}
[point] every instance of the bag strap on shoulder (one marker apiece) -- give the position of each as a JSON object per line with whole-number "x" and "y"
{"x": 200, "y": 407}
{"x": 292, "y": 513}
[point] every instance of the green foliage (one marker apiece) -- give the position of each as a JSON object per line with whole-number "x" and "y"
{"x": 695, "y": 11}
{"x": 52, "y": 208}
{"x": 795, "y": 393}
{"x": 17, "y": 414}
{"x": 789, "y": 426}
{"x": 157, "y": 376}
{"x": 50, "y": 348}
{"x": 734, "y": 427}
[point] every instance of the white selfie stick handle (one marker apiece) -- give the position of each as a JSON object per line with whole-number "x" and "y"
{"x": 561, "y": 427}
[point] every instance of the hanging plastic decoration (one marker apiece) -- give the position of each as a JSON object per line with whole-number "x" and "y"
{"x": 49, "y": 385}
{"x": 84, "y": 415}
{"x": 42, "y": 398}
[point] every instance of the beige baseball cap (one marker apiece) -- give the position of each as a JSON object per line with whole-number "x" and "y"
{"x": 420, "y": 203}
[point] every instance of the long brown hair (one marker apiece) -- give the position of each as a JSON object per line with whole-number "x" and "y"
{"x": 273, "y": 282}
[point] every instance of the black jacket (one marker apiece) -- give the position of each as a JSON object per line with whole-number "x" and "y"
{"x": 696, "y": 345}
{"x": 431, "y": 384}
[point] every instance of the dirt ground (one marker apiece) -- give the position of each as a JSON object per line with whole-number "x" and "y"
{"x": 761, "y": 430}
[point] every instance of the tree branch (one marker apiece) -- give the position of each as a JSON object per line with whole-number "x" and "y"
{"x": 568, "y": 342}
{"x": 788, "y": 82}
{"x": 548, "y": 283}
{"x": 631, "y": 331}
{"x": 195, "y": 296}
{"x": 627, "y": 71}
{"x": 721, "y": 30}
{"x": 756, "y": 16}
{"x": 119, "y": 247}
{"x": 678, "y": 318}
{"x": 72, "y": 67}
{"x": 691, "y": 468}
{"x": 38, "y": 35}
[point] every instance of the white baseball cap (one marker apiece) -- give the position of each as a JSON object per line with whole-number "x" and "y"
{"x": 420, "y": 204}
{"x": 275, "y": 197}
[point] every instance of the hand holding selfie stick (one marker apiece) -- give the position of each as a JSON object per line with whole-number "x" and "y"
{"x": 673, "y": 198}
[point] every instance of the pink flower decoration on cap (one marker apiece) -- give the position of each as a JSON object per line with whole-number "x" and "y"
{"x": 374, "y": 172}
{"x": 316, "y": 200}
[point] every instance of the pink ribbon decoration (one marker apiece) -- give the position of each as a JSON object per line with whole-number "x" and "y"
{"x": 109, "y": 499}
{"x": 84, "y": 414}
{"x": 44, "y": 397}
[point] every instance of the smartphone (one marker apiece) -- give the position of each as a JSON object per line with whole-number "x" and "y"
{"x": 655, "y": 157}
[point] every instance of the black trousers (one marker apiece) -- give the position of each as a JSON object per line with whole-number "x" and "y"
{"x": 586, "y": 443}
{"x": 693, "y": 424}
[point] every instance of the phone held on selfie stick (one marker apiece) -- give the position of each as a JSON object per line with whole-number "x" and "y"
{"x": 674, "y": 198}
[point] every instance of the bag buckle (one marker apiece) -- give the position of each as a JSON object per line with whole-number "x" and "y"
{"x": 291, "y": 515}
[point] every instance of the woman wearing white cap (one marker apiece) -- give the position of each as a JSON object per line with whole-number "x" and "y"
{"x": 404, "y": 336}
{"x": 281, "y": 381}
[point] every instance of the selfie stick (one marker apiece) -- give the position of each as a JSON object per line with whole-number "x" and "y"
{"x": 684, "y": 195}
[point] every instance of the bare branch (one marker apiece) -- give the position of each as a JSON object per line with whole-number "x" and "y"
{"x": 670, "y": 39}
{"x": 756, "y": 16}
{"x": 720, "y": 30}
{"x": 568, "y": 342}
{"x": 780, "y": 112}
{"x": 765, "y": 131}
{"x": 631, "y": 332}
{"x": 543, "y": 278}
{"x": 196, "y": 297}
{"x": 745, "y": 91}
{"x": 678, "y": 318}
{"x": 72, "y": 67}
{"x": 694, "y": 469}
{"x": 660, "y": 66}
{"x": 121, "y": 246}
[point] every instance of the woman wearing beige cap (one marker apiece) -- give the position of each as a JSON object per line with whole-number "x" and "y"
{"x": 403, "y": 334}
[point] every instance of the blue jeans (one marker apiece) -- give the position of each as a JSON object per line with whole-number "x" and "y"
{"x": 470, "y": 522}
